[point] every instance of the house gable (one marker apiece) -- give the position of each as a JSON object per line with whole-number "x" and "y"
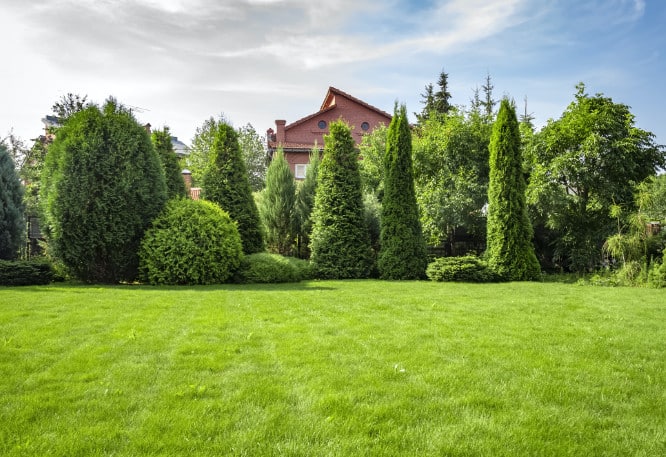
{"x": 300, "y": 137}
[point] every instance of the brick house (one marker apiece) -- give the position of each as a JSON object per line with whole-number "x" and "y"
{"x": 300, "y": 137}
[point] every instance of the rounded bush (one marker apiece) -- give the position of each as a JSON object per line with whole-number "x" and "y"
{"x": 463, "y": 269}
{"x": 273, "y": 268}
{"x": 190, "y": 242}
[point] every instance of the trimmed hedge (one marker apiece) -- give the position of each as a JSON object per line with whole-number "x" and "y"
{"x": 25, "y": 273}
{"x": 191, "y": 242}
{"x": 272, "y": 268}
{"x": 462, "y": 269}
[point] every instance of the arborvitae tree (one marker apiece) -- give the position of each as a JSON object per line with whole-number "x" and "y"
{"x": 510, "y": 249}
{"x": 340, "y": 241}
{"x": 172, "y": 173}
{"x": 305, "y": 196}
{"x": 278, "y": 206}
{"x": 225, "y": 182}
{"x": 103, "y": 184}
{"x": 402, "y": 254}
{"x": 12, "y": 227}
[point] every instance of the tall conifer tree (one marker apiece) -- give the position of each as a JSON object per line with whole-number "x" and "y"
{"x": 510, "y": 248}
{"x": 102, "y": 186}
{"x": 12, "y": 228}
{"x": 226, "y": 182}
{"x": 402, "y": 254}
{"x": 278, "y": 205}
{"x": 340, "y": 241}
{"x": 174, "y": 179}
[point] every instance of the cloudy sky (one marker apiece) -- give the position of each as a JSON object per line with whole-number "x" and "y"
{"x": 182, "y": 61}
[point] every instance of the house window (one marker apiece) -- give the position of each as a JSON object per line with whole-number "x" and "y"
{"x": 322, "y": 125}
{"x": 300, "y": 170}
{"x": 365, "y": 126}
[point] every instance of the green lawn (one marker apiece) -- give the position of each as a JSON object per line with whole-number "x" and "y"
{"x": 333, "y": 368}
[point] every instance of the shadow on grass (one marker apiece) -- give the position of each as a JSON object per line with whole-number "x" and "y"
{"x": 81, "y": 287}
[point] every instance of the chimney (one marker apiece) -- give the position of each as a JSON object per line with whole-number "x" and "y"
{"x": 147, "y": 127}
{"x": 187, "y": 177}
{"x": 280, "y": 131}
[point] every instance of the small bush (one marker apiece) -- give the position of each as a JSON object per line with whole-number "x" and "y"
{"x": 657, "y": 275}
{"x": 463, "y": 269}
{"x": 191, "y": 242}
{"x": 272, "y": 268}
{"x": 25, "y": 273}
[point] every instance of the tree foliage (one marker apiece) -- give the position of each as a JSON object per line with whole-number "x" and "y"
{"x": 589, "y": 159}
{"x": 340, "y": 243}
{"x": 305, "y": 197}
{"x": 402, "y": 254}
{"x": 510, "y": 250}
{"x": 451, "y": 175}
{"x": 371, "y": 165}
{"x": 278, "y": 206}
{"x": 102, "y": 186}
{"x": 170, "y": 165}
{"x": 225, "y": 182}
{"x": 68, "y": 105}
{"x": 437, "y": 102}
{"x": 12, "y": 226}
{"x": 253, "y": 149}
{"x": 190, "y": 242}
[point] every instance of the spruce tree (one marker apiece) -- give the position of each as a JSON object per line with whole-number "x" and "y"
{"x": 12, "y": 226}
{"x": 102, "y": 186}
{"x": 402, "y": 254}
{"x": 509, "y": 240}
{"x": 172, "y": 173}
{"x": 278, "y": 206}
{"x": 225, "y": 181}
{"x": 340, "y": 241}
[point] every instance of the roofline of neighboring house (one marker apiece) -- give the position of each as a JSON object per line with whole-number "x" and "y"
{"x": 334, "y": 90}
{"x": 323, "y": 109}
{"x": 308, "y": 117}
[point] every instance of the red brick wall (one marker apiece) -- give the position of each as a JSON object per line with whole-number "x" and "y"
{"x": 352, "y": 113}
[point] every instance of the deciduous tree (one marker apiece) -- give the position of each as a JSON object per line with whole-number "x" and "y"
{"x": 589, "y": 159}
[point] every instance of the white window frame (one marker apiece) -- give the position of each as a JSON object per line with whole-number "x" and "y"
{"x": 300, "y": 169}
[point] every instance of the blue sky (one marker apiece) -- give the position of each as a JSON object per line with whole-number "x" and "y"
{"x": 255, "y": 61}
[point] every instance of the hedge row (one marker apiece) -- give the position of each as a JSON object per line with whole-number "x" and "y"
{"x": 25, "y": 273}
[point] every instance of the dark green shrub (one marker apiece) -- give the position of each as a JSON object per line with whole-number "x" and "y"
{"x": 102, "y": 185}
{"x": 25, "y": 273}
{"x": 12, "y": 226}
{"x": 340, "y": 241}
{"x": 462, "y": 269}
{"x": 190, "y": 242}
{"x": 403, "y": 252}
{"x": 225, "y": 181}
{"x": 172, "y": 173}
{"x": 657, "y": 274}
{"x": 272, "y": 268}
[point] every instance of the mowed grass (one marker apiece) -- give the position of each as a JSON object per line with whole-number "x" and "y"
{"x": 333, "y": 368}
